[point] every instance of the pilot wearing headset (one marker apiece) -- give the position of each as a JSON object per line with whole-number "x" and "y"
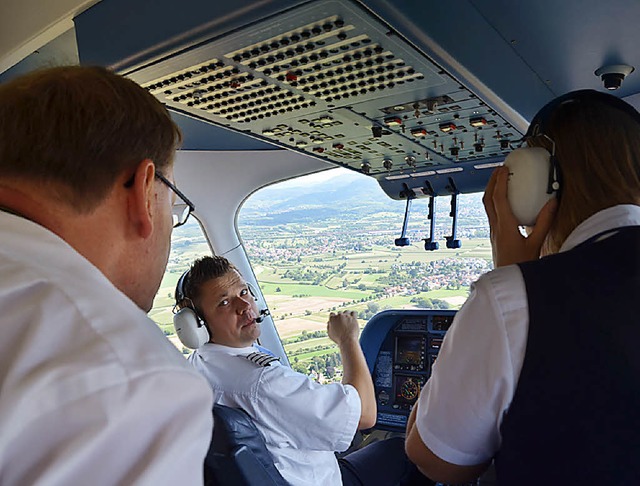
{"x": 540, "y": 369}
{"x": 303, "y": 422}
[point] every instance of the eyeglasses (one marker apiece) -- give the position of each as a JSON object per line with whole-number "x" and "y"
{"x": 182, "y": 209}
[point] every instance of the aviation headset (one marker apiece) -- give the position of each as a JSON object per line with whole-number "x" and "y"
{"x": 190, "y": 326}
{"x": 534, "y": 173}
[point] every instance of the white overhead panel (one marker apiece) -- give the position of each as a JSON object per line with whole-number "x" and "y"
{"x": 331, "y": 80}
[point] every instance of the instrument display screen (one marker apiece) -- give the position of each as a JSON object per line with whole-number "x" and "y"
{"x": 409, "y": 350}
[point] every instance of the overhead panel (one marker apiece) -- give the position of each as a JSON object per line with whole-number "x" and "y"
{"x": 331, "y": 80}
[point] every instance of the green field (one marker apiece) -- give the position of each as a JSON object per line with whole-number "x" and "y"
{"x": 342, "y": 280}
{"x": 306, "y": 357}
{"x": 269, "y": 289}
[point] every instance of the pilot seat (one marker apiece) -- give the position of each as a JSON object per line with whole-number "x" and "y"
{"x": 238, "y": 455}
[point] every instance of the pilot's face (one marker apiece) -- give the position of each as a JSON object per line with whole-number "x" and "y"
{"x": 229, "y": 310}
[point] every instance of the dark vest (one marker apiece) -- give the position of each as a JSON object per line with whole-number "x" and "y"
{"x": 575, "y": 415}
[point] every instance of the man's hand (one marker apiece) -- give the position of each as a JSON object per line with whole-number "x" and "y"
{"x": 508, "y": 244}
{"x": 343, "y": 327}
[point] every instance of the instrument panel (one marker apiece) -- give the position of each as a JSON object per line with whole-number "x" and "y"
{"x": 401, "y": 348}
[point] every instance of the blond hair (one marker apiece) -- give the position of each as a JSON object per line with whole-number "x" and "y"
{"x": 598, "y": 152}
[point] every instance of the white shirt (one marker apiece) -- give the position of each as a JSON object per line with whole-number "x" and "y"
{"x": 91, "y": 392}
{"x": 302, "y": 422}
{"x": 461, "y": 407}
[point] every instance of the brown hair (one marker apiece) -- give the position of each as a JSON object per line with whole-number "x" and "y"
{"x": 598, "y": 153}
{"x": 76, "y": 129}
{"x": 202, "y": 270}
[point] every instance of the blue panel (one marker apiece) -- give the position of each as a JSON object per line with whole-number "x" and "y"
{"x": 526, "y": 52}
{"x": 123, "y": 33}
{"x": 469, "y": 40}
{"x": 374, "y": 334}
{"x": 400, "y": 347}
{"x": 199, "y": 135}
{"x": 565, "y": 42}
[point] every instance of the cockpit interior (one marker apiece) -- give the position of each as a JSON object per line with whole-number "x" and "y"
{"x": 426, "y": 98}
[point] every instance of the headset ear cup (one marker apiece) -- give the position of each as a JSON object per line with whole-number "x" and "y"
{"x": 189, "y": 330}
{"x": 529, "y": 179}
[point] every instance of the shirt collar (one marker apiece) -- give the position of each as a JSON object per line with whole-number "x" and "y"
{"x": 219, "y": 348}
{"x": 605, "y": 220}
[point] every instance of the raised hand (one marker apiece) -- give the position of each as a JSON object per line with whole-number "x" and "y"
{"x": 343, "y": 326}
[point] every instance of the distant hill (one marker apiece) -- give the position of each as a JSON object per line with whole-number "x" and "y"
{"x": 345, "y": 190}
{"x": 343, "y": 194}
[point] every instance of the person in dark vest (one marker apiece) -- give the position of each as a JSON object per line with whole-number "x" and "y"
{"x": 539, "y": 372}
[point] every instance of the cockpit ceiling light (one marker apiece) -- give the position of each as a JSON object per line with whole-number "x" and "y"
{"x": 393, "y": 121}
{"x": 488, "y": 166}
{"x": 478, "y": 122}
{"x": 613, "y": 75}
{"x": 396, "y": 177}
{"x": 450, "y": 170}
{"x": 447, "y": 127}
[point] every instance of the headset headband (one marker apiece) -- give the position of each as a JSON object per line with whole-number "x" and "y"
{"x": 542, "y": 118}
{"x": 179, "y": 295}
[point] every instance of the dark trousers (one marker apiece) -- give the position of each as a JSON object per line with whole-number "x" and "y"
{"x": 383, "y": 463}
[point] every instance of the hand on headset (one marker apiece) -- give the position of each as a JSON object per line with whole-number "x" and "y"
{"x": 508, "y": 244}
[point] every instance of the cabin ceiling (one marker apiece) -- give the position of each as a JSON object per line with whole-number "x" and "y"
{"x": 423, "y": 96}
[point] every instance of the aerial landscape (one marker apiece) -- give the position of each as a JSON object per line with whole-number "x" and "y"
{"x": 326, "y": 243}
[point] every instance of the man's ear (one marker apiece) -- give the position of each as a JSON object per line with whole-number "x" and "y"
{"x": 141, "y": 198}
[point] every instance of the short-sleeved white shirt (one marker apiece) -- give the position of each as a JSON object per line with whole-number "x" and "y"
{"x": 91, "y": 392}
{"x": 302, "y": 422}
{"x": 461, "y": 407}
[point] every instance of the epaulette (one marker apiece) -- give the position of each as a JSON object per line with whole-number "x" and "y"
{"x": 261, "y": 359}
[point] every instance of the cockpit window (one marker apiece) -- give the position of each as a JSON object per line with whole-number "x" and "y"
{"x": 325, "y": 242}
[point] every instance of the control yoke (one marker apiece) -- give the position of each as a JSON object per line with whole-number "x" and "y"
{"x": 403, "y": 240}
{"x": 452, "y": 241}
{"x": 429, "y": 243}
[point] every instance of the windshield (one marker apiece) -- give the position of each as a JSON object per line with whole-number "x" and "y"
{"x": 325, "y": 242}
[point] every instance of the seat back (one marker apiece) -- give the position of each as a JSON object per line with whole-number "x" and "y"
{"x": 238, "y": 455}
